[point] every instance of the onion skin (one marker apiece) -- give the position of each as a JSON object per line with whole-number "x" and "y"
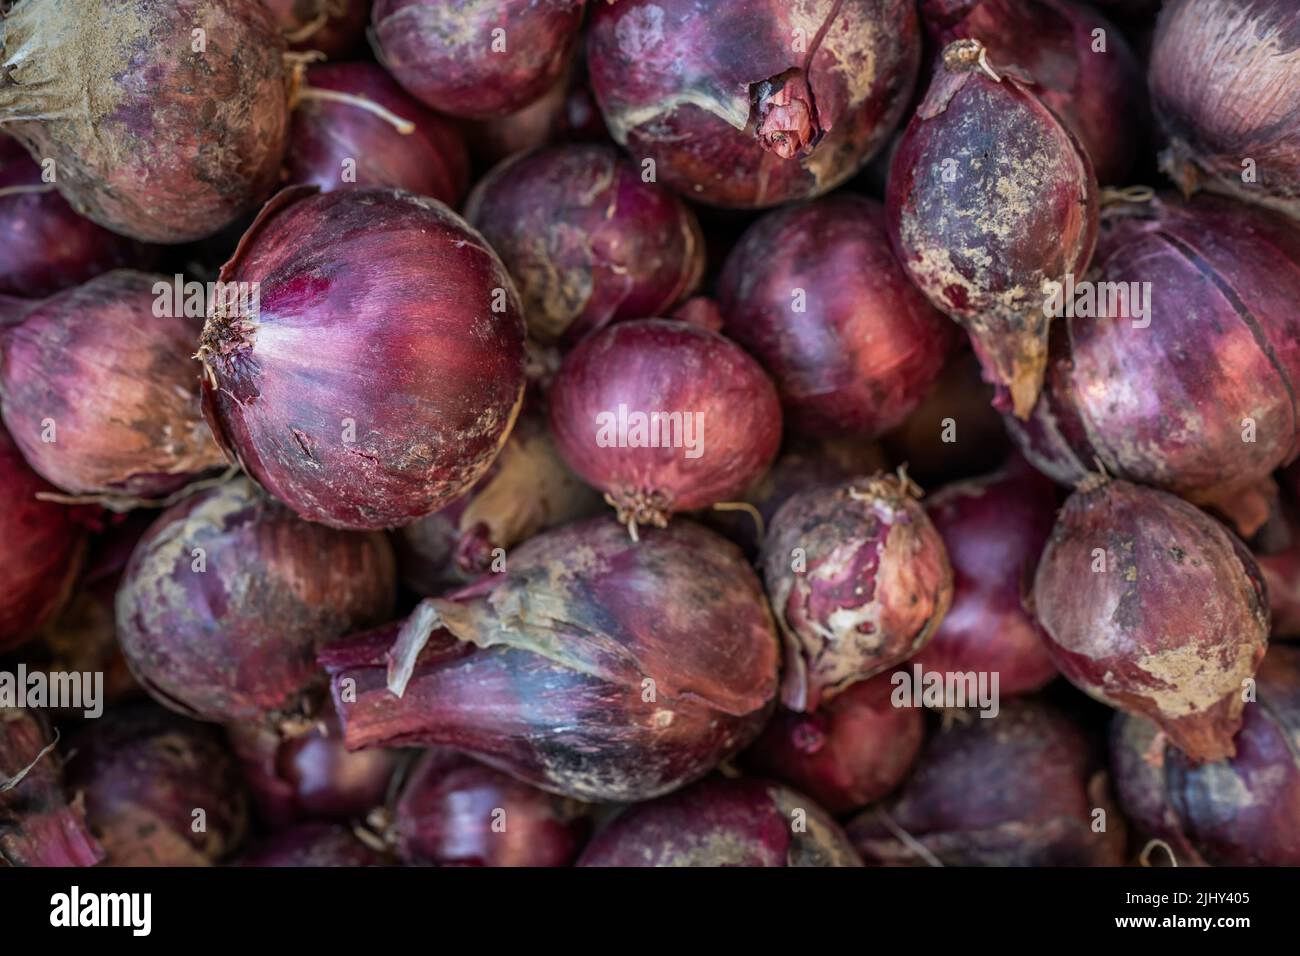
{"x": 175, "y": 144}
{"x": 334, "y": 27}
{"x": 865, "y": 346}
{"x": 661, "y": 365}
{"x": 398, "y": 292}
{"x": 594, "y": 666}
{"x": 719, "y": 96}
{"x": 1129, "y": 636}
{"x": 567, "y": 112}
{"x": 1014, "y": 217}
{"x": 236, "y": 641}
{"x": 1225, "y": 84}
{"x": 1137, "y": 763}
{"x": 586, "y": 240}
{"x": 873, "y": 586}
{"x": 119, "y": 384}
{"x": 429, "y": 160}
{"x": 443, "y": 53}
{"x": 721, "y": 822}
{"x": 311, "y": 845}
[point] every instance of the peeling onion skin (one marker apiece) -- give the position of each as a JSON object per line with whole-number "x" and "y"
{"x": 586, "y": 240}
{"x": 311, "y": 845}
{"x": 442, "y": 52}
{"x": 864, "y": 347}
{"x": 722, "y": 100}
{"x": 875, "y": 584}
{"x": 118, "y": 384}
{"x": 544, "y": 671}
{"x": 1225, "y": 84}
{"x": 334, "y": 27}
{"x": 1129, "y": 636}
{"x": 236, "y": 641}
{"x": 1020, "y": 211}
{"x": 385, "y": 319}
{"x": 173, "y": 146}
{"x": 723, "y": 822}
{"x": 430, "y": 160}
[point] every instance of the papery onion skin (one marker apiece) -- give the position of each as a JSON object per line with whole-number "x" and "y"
{"x": 175, "y": 143}
{"x": 721, "y": 822}
{"x": 117, "y": 384}
{"x": 311, "y": 845}
{"x": 720, "y": 95}
{"x": 426, "y": 343}
{"x": 587, "y": 241}
{"x": 235, "y": 641}
{"x": 334, "y": 27}
{"x": 1129, "y": 635}
{"x": 605, "y": 669}
{"x": 479, "y": 58}
{"x": 815, "y": 293}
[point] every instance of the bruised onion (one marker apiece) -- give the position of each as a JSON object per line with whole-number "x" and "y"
{"x": 594, "y": 666}
{"x": 228, "y": 595}
{"x": 859, "y": 580}
{"x": 334, "y": 27}
{"x": 753, "y": 104}
{"x": 311, "y": 845}
{"x": 186, "y": 127}
{"x": 1155, "y": 608}
{"x": 586, "y": 239}
{"x": 664, "y": 416}
{"x": 382, "y": 365}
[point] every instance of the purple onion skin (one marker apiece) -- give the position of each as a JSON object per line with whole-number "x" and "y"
{"x": 1251, "y": 109}
{"x": 334, "y": 27}
{"x": 586, "y": 240}
{"x": 236, "y": 641}
{"x": 1019, "y": 789}
{"x": 1281, "y": 574}
{"x": 565, "y": 113}
{"x": 399, "y": 292}
{"x": 651, "y": 663}
{"x": 815, "y": 294}
{"x": 1137, "y": 764}
{"x": 719, "y": 96}
{"x": 311, "y": 845}
{"x": 455, "y": 812}
{"x": 444, "y": 54}
{"x": 175, "y": 144}
{"x": 723, "y": 822}
{"x": 430, "y": 159}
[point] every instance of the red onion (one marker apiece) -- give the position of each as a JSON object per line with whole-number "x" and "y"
{"x": 1225, "y": 83}
{"x": 664, "y": 416}
{"x": 334, "y": 27}
{"x": 859, "y": 581}
{"x": 586, "y": 239}
{"x": 384, "y": 364}
{"x": 1112, "y": 591}
{"x": 1137, "y": 763}
{"x": 101, "y": 393}
{"x": 815, "y": 293}
{"x": 176, "y": 142}
{"x": 852, "y": 752}
{"x": 455, "y": 812}
{"x": 721, "y": 822}
{"x": 1279, "y": 566}
{"x": 311, "y": 845}
{"x": 594, "y": 666}
{"x": 990, "y": 197}
{"x": 753, "y": 103}
{"x": 567, "y": 112}
{"x": 476, "y": 58}
{"x": 353, "y": 124}
{"x": 228, "y": 596}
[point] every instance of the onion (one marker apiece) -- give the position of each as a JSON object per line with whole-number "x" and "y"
{"x": 353, "y": 124}
{"x": 101, "y": 394}
{"x": 228, "y": 596}
{"x": 990, "y": 197}
{"x": 334, "y": 27}
{"x": 311, "y": 845}
{"x": 859, "y": 581}
{"x": 1225, "y": 84}
{"x": 664, "y": 416}
{"x": 159, "y": 790}
{"x": 384, "y": 365}
{"x": 721, "y": 822}
{"x": 815, "y": 293}
{"x": 1112, "y": 591}
{"x": 176, "y": 142}
{"x": 587, "y": 241}
{"x": 752, "y": 104}
{"x": 1137, "y": 762}
{"x": 476, "y": 59}
{"x": 567, "y": 112}
{"x": 1279, "y": 566}
{"x": 594, "y": 666}
{"x": 852, "y": 752}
